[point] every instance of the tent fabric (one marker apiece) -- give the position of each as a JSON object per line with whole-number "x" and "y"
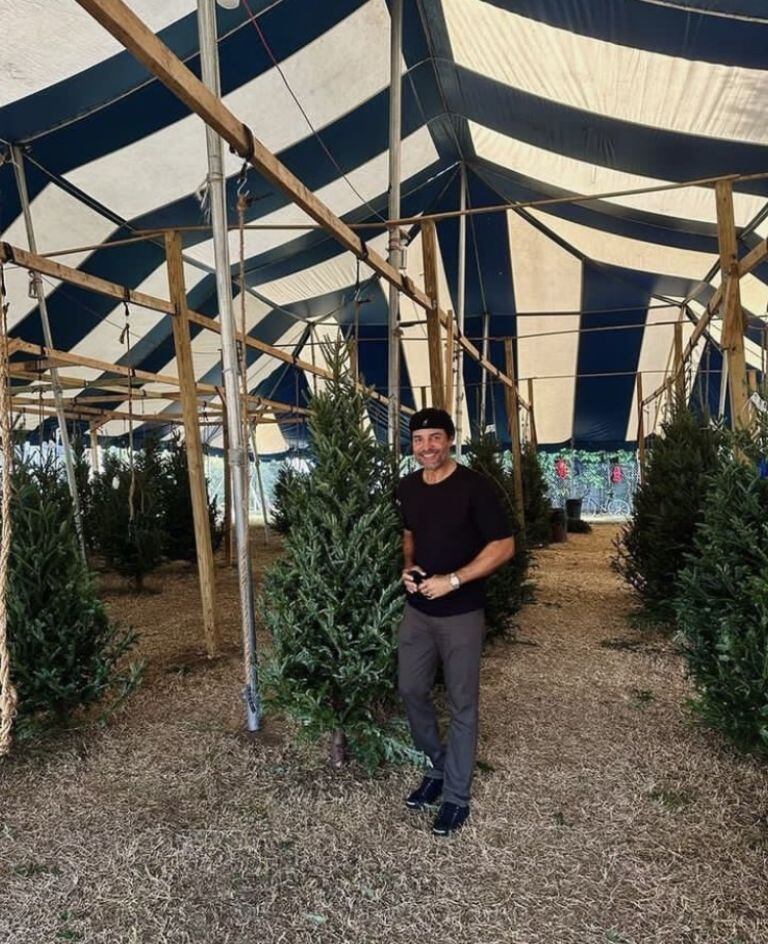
{"x": 536, "y": 98}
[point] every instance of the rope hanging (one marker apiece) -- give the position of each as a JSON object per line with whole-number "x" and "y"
{"x": 8, "y": 696}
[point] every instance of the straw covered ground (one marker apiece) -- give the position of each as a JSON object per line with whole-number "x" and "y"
{"x": 601, "y": 813}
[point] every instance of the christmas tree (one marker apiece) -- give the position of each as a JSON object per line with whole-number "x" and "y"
{"x": 283, "y": 498}
{"x": 65, "y": 652}
{"x": 178, "y": 521}
{"x": 722, "y": 602}
{"x": 507, "y": 588}
{"x": 536, "y": 505}
{"x": 668, "y": 506}
{"x": 332, "y": 602}
{"x": 127, "y": 512}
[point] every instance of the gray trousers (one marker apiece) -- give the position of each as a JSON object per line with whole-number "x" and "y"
{"x": 456, "y": 642}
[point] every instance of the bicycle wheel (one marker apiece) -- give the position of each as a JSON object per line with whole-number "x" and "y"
{"x": 618, "y": 508}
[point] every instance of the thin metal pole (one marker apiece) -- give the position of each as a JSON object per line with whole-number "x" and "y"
{"x": 395, "y": 248}
{"x": 17, "y": 158}
{"x": 209, "y": 60}
{"x": 460, "y": 308}
{"x": 484, "y": 383}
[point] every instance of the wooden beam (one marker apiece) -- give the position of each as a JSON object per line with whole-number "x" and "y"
{"x": 513, "y": 419}
{"x": 450, "y": 351}
{"x": 532, "y": 416}
{"x": 679, "y": 372}
{"x": 36, "y": 263}
{"x": 192, "y": 442}
{"x": 732, "y": 342}
{"x": 640, "y": 425}
{"x": 119, "y": 20}
{"x": 434, "y": 345}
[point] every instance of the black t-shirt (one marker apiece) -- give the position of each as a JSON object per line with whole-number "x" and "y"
{"x": 451, "y": 523}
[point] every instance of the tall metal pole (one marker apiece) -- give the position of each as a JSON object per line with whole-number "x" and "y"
{"x": 460, "y": 309}
{"x": 21, "y": 183}
{"x": 209, "y": 61}
{"x": 395, "y": 246}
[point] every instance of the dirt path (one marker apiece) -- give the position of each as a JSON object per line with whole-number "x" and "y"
{"x": 601, "y": 814}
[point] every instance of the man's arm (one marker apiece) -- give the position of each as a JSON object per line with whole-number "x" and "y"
{"x": 492, "y": 556}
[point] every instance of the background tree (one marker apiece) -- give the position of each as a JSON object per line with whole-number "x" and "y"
{"x": 668, "y": 505}
{"x": 127, "y": 512}
{"x": 65, "y": 651}
{"x": 507, "y": 588}
{"x": 536, "y": 504}
{"x": 332, "y": 602}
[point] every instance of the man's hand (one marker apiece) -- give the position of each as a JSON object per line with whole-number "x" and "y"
{"x": 410, "y": 585}
{"x": 436, "y": 587}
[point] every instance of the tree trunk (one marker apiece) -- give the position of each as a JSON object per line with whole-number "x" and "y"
{"x": 338, "y": 749}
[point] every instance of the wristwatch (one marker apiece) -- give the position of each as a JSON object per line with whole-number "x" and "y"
{"x": 455, "y": 582}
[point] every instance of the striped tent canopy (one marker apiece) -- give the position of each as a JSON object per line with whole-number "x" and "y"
{"x": 525, "y": 99}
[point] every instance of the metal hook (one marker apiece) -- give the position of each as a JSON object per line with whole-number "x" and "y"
{"x": 242, "y": 180}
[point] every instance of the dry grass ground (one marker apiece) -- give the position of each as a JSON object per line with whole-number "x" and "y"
{"x": 601, "y": 814}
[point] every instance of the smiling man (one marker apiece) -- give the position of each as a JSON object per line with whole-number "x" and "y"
{"x": 456, "y": 533}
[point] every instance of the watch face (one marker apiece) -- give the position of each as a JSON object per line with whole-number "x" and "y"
{"x": 455, "y": 582}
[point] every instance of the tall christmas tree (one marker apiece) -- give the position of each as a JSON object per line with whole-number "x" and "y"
{"x": 65, "y": 651}
{"x": 332, "y": 602}
{"x": 507, "y": 588}
{"x": 722, "y": 602}
{"x": 668, "y": 506}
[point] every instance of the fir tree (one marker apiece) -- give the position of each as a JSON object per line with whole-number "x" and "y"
{"x": 507, "y": 588}
{"x": 668, "y": 506}
{"x": 283, "y": 505}
{"x": 65, "y": 652}
{"x": 332, "y": 602}
{"x": 536, "y": 505}
{"x": 722, "y": 603}
{"x": 127, "y": 513}
{"x": 178, "y": 520}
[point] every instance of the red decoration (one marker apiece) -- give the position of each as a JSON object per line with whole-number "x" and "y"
{"x": 616, "y": 474}
{"x": 561, "y": 468}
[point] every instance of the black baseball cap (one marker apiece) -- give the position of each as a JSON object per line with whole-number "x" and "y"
{"x": 432, "y": 418}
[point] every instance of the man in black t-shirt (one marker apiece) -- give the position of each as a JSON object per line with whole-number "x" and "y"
{"x": 456, "y": 533}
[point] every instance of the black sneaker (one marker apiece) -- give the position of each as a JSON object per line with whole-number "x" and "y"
{"x": 426, "y": 794}
{"x": 450, "y": 818}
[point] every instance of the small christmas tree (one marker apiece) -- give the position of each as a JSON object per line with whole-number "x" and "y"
{"x": 722, "y": 602}
{"x": 507, "y": 588}
{"x": 538, "y": 512}
{"x": 668, "y": 506}
{"x": 178, "y": 521}
{"x": 332, "y": 602}
{"x": 283, "y": 503}
{"x": 65, "y": 652}
{"x": 127, "y": 513}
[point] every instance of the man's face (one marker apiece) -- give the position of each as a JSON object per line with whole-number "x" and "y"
{"x": 431, "y": 447}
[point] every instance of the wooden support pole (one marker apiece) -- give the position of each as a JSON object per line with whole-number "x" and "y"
{"x": 429, "y": 256}
{"x": 640, "y": 425}
{"x": 732, "y": 342}
{"x": 679, "y": 368}
{"x": 532, "y": 416}
{"x": 752, "y": 381}
{"x": 449, "y": 358}
{"x": 192, "y": 442}
{"x": 513, "y": 419}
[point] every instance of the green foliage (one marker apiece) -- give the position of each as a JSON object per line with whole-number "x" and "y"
{"x": 283, "y": 505}
{"x": 84, "y": 490}
{"x": 507, "y": 589}
{"x": 128, "y": 512}
{"x": 65, "y": 652}
{"x": 332, "y": 602}
{"x": 178, "y": 523}
{"x": 722, "y": 604}
{"x": 669, "y": 504}
{"x": 535, "y": 501}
